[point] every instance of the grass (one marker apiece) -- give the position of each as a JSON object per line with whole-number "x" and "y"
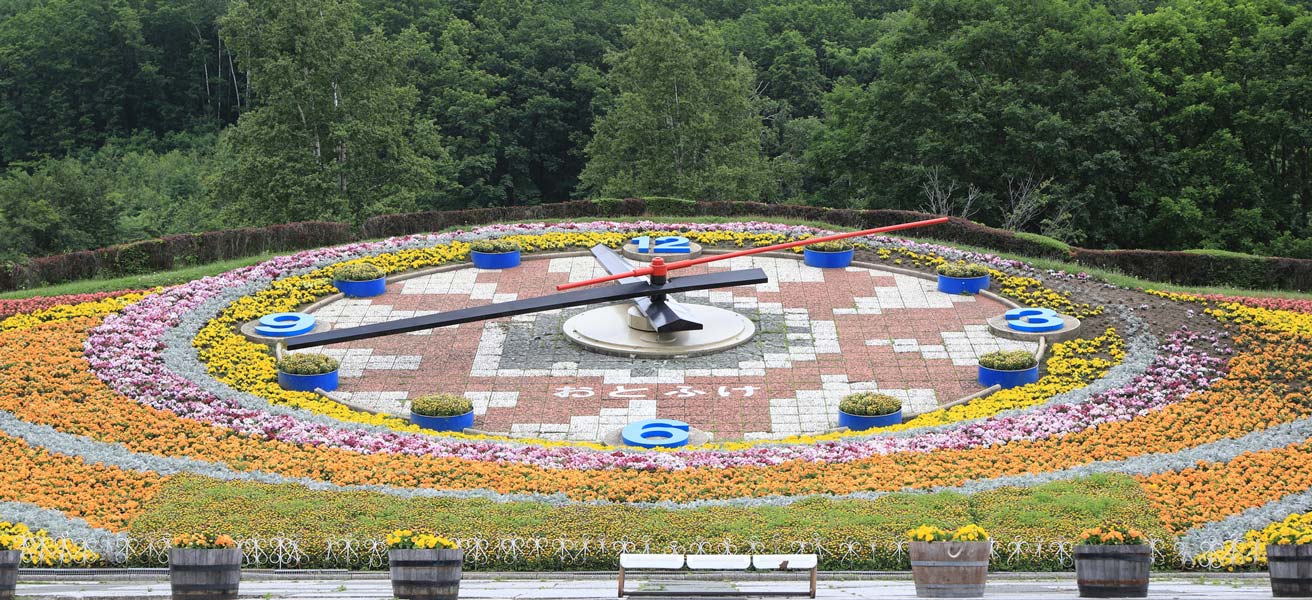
{"x": 136, "y": 282}
{"x": 1051, "y": 511}
{"x": 1111, "y": 276}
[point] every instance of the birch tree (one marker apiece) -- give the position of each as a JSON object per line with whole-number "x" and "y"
{"x": 684, "y": 122}
{"x": 334, "y": 133}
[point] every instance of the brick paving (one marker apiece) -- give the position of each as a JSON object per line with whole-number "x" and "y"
{"x": 821, "y": 334}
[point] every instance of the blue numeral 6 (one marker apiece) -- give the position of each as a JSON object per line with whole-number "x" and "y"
{"x": 285, "y": 324}
{"x": 656, "y": 433}
{"x": 1034, "y": 320}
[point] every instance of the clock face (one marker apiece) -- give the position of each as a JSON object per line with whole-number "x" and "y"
{"x": 821, "y": 334}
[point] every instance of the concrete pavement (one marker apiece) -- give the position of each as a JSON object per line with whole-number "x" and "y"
{"x": 570, "y": 586}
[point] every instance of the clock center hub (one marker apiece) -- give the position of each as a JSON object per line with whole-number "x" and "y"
{"x": 622, "y": 330}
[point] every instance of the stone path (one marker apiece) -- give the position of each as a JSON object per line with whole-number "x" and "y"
{"x": 592, "y": 586}
{"x": 822, "y": 334}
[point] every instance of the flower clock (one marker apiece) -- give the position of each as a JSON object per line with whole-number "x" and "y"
{"x": 1185, "y": 419}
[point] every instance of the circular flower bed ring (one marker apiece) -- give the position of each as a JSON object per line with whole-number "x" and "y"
{"x": 387, "y": 253}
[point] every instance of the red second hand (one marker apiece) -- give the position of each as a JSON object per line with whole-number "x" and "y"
{"x": 706, "y": 259}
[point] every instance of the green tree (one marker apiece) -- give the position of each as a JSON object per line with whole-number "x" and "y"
{"x": 991, "y": 91}
{"x": 56, "y": 206}
{"x": 684, "y": 121}
{"x": 335, "y": 133}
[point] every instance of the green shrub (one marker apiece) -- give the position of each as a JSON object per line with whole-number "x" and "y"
{"x": 494, "y": 246}
{"x": 357, "y": 272}
{"x": 834, "y": 246}
{"x": 870, "y": 404}
{"x": 962, "y": 268}
{"x": 1220, "y": 253}
{"x": 608, "y": 207}
{"x": 440, "y": 405}
{"x": 672, "y": 207}
{"x": 1057, "y": 247}
{"x": 307, "y": 364}
{"x": 1013, "y": 360}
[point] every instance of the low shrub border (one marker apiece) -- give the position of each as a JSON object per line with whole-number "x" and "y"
{"x": 1182, "y": 268}
{"x": 168, "y": 252}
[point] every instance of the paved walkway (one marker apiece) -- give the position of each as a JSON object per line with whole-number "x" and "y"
{"x": 821, "y": 334}
{"x": 567, "y": 587}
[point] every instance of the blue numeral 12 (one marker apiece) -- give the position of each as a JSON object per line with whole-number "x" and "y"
{"x": 670, "y": 244}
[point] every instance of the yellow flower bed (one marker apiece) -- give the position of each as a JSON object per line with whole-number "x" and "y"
{"x": 39, "y": 549}
{"x": 249, "y": 367}
{"x": 64, "y": 312}
{"x": 1251, "y": 552}
{"x": 1071, "y": 365}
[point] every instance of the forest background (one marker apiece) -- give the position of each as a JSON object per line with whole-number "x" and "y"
{"x": 1115, "y": 124}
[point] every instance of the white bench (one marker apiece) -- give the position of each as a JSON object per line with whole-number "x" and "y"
{"x": 719, "y": 562}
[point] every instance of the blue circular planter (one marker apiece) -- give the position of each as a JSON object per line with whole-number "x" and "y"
{"x": 962, "y": 285}
{"x": 495, "y": 260}
{"x": 361, "y": 289}
{"x": 827, "y": 260}
{"x": 456, "y": 423}
{"x": 862, "y": 423}
{"x": 1008, "y": 379}
{"x": 308, "y": 383}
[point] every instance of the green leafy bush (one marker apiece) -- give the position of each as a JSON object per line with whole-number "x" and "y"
{"x": 494, "y": 246}
{"x": 440, "y": 405}
{"x": 1055, "y": 247}
{"x": 307, "y": 364}
{"x": 962, "y": 268}
{"x": 1013, "y": 360}
{"x": 671, "y": 207}
{"x": 834, "y": 246}
{"x": 870, "y": 404}
{"x": 357, "y": 272}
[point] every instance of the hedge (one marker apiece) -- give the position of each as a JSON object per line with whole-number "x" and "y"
{"x": 1182, "y": 268}
{"x": 162, "y": 254}
{"x": 1195, "y": 269}
{"x": 404, "y": 224}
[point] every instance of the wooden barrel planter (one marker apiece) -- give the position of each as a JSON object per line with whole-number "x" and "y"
{"x": 950, "y": 569}
{"x": 426, "y": 574}
{"x": 1290, "y": 566}
{"x": 9, "y": 560}
{"x": 205, "y": 574}
{"x": 1113, "y": 571}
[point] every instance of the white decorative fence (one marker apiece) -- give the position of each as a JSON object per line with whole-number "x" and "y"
{"x": 541, "y": 553}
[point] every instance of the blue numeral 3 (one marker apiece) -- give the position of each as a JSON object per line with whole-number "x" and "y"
{"x": 1034, "y": 320}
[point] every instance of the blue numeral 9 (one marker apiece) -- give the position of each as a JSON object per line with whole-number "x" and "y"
{"x": 285, "y": 324}
{"x": 656, "y": 433}
{"x": 1034, "y": 320}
